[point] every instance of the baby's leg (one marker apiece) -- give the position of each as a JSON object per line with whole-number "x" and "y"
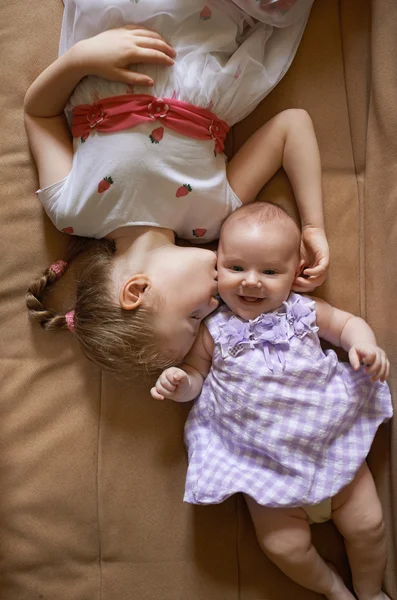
{"x": 357, "y": 513}
{"x": 284, "y": 536}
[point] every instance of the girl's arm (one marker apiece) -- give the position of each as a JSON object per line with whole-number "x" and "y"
{"x": 288, "y": 140}
{"x": 354, "y": 335}
{"x": 106, "y": 55}
{"x": 184, "y": 384}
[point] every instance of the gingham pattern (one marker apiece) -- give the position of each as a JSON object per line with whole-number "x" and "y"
{"x": 288, "y": 437}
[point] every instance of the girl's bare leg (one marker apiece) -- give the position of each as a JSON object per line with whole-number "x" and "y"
{"x": 357, "y": 513}
{"x": 284, "y": 536}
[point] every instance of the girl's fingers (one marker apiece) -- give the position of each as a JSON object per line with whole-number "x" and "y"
{"x": 132, "y": 78}
{"x": 304, "y": 284}
{"x": 150, "y": 55}
{"x": 155, "y": 44}
{"x": 140, "y": 31}
{"x": 317, "y": 270}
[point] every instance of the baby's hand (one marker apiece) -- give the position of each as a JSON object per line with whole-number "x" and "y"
{"x": 110, "y": 53}
{"x": 315, "y": 252}
{"x": 173, "y": 384}
{"x": 372, "y": 357}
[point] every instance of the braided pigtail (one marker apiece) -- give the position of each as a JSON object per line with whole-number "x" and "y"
{"x": 47, "y": 317}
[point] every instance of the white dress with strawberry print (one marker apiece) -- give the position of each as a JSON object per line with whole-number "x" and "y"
{"x": 230, "y": 54}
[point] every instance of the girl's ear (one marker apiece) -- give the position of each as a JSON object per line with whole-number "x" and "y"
{"x": 133, "y": 291}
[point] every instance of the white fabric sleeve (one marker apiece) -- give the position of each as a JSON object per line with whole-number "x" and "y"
{"x": 49, "y": 197}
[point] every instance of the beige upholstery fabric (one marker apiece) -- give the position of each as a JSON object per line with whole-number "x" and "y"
{"x": 92, "y": 472}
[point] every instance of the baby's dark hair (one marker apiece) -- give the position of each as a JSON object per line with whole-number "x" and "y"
{"x": 262, "y": 212}
{"x": 125, "y": 342}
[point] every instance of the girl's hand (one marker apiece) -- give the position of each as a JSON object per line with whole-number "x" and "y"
{"x": 315, "y": 252}
{"x": 173, "y": 384}
{"x": 110, "y": 53}
{"x": 372, "y": 357}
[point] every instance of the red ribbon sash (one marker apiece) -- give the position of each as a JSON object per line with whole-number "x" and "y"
{"x": 128, "y": 110}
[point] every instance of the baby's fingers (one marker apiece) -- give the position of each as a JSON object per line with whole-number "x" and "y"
{"x": 168, "y": 380}
{"x": 155, "y": 394}
{"x": 384, "y": 371}
{"x": 373, "y": 363}
{"x": 354, "y": 359}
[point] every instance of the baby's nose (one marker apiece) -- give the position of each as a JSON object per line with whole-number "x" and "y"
{"x": 252, "y": 281}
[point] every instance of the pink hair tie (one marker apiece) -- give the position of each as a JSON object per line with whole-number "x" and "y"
{"x": 69, "y": 317}
{"x": 58, "y": 267}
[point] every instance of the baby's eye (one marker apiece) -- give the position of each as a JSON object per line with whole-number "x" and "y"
{"x": 236, "y": 268}
{"x": 195, "y": 317}
{"x": 269, "y": 272}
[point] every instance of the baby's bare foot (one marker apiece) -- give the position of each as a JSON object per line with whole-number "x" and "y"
{"x": 338, "y": 591}
{"x": 381, "y": 596}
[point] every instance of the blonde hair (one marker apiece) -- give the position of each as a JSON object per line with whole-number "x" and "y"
{"x": 124, "y": 342}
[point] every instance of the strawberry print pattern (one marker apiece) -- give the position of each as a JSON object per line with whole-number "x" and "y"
{"x": 183, "y": 190}
{"x": 198, "y": 233}
{"x": 157, "y": 135}
{"x": 206, "y": 13}
{"x": 104, "y": 184}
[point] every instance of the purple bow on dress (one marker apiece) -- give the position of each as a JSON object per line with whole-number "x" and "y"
{"x": 275, "y": 328}
{"x": 302, "y": 317}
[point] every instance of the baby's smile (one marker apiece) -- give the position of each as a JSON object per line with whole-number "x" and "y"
{"x": 250, "y": 299}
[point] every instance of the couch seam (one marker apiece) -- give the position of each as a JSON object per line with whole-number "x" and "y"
{"x": 97, "y": 487}
{"x": 360, "y": 196}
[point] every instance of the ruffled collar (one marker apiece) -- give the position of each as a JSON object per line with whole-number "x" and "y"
{"x": 296, "y": 317}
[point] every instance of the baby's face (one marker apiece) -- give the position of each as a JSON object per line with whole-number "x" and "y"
{"x": 257, "y": 265}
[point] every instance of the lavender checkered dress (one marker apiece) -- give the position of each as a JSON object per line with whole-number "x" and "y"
{"x": 278, "y": 418}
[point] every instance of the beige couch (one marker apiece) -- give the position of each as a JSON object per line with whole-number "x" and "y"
{"x": 92, "y": 472}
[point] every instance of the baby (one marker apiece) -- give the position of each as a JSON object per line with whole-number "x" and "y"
{"x": 279, "y": 419}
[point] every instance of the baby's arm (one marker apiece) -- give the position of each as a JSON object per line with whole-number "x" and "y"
{"x": 184, "y": 384}
{"x": 288, "y": 140}
{"x": 355, "y": 336}
{"x": 106, "y": 55}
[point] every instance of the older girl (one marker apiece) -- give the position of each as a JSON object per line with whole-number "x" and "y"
{"x": 147, "y": 162}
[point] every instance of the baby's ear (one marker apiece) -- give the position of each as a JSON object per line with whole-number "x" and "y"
{"x": 300, "y": 266}
{"x": 133, "y": 291}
